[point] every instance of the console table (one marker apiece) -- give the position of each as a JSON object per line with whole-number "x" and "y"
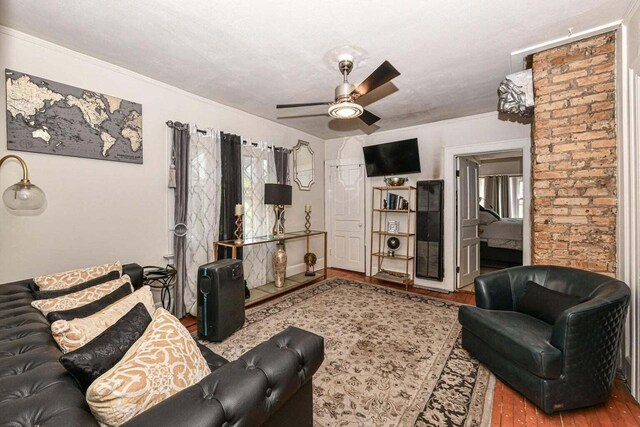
{"x": 262, "y": 240}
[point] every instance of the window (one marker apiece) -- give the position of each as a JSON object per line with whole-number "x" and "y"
{"x": 516, "y": 197}
{"x": 503, "y": 194}
{"x": 481, "y": 195}
{"x": 255, "y": 173}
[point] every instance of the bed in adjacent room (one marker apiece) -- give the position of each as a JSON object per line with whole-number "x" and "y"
{"x": 500, "y": 240}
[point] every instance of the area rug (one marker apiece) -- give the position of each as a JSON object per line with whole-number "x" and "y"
{"x": 392, "y": 358}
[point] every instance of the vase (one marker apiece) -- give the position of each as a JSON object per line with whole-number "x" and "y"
{"x": 279, "y": 265}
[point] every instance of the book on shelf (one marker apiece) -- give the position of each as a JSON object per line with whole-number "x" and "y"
{"x": 392, "y": 201}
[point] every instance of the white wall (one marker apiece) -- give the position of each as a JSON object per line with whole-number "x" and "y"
{"x": 432, "y": 140}
{"x": 628, "y": 96}
{"x": 100, "y": 211}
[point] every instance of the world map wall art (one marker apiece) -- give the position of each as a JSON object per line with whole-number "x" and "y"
{"x": 48, "y": 117}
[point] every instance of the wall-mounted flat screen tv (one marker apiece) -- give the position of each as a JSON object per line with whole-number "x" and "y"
{"x": 392, "y": 158}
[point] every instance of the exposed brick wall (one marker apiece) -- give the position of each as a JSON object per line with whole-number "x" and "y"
{"x": 574, "y": 202}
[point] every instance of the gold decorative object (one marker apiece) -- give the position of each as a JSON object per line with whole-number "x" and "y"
{"x": 307, "y": 222}
{"x": 22, "y": 196}
{"x": 238, "y": 232}
{"x": 279, "y": 264}
{"x": 310, "y": 260}
{"x": 278, "y": 222}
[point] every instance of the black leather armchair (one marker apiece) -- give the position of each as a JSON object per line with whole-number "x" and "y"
{"x": 269, "y": 385}
{"x": 567, "y": 365}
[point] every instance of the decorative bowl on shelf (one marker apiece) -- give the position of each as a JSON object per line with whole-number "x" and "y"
{"x": 395, "y": 181}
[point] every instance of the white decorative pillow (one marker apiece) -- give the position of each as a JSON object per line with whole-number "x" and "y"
{"x": 80, "y": 298}
{"x": 71, "y": 278}
{"x": 73, "y": 334}
{"x": 164, "y": 361}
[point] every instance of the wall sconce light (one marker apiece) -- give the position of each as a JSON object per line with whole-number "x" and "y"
{"x": 23, "y": 195}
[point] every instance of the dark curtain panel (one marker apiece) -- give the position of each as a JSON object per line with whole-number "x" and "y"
{"x": 281, "y": 156}
{"x": 231, "y": 186}
{"x": 181, "y": 153}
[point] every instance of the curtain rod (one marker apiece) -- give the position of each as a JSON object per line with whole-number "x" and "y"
{"x": 185, "y": 126}
{"x": 255, "y": 144}
{"x": 182, "y": 126}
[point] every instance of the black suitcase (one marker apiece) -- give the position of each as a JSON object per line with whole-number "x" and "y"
{"x": 220, "y": 299}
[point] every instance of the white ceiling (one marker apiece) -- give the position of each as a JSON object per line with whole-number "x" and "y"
{"x": 253, "y": 55}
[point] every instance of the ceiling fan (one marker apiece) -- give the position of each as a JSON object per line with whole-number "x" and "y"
{"x": 344, "y": 106}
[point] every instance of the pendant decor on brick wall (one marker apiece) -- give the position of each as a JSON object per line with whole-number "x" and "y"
{"x": 515, "y": 94}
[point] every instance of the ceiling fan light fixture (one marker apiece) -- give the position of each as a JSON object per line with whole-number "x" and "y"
{"x": 345, "y": 110}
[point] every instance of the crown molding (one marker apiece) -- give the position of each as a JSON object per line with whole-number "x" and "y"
{"x": 518, "y": 56}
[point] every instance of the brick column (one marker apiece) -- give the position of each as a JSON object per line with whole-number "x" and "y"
{"x": 574, "y": 162}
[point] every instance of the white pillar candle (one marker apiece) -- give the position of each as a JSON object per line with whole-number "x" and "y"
{"x": 238, "y": 210}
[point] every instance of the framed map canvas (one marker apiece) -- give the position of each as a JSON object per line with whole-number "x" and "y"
{"x": 44, "y": 116}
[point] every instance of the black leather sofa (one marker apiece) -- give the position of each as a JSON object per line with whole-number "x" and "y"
{"x": 269, "y": 385}
{"x": 567, "y": 365}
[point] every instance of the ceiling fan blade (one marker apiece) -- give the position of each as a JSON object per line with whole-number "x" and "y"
{"x": 368, "y": 117}
{"x": 307, "y": 104}
{"x": 383, "y": 74}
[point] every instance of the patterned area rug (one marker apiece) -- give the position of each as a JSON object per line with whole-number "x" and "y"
{"x": 392, "y": 358}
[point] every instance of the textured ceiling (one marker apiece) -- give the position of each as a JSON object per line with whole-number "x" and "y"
{"x": 253, "y": 55}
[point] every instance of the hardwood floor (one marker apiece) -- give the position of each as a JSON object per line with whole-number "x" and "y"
{"x": 510, "y": 408}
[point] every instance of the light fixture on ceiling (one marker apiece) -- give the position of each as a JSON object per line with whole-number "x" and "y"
{"x": 345, "y": 110}
{"x": 343, "y": 105}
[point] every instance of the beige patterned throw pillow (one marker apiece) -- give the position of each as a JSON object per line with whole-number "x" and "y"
{"x": 80, "y": 298}
{"x": 164, "y": 361}
{"x": 73, "y": 334}
{"x": 76, "y": 277}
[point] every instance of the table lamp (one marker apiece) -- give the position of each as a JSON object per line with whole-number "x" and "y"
{"x": 22, "y": 196}
{"x": 278, "y": 195}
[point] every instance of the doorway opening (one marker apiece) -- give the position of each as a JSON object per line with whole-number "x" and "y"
{"x": 491, "y": 204}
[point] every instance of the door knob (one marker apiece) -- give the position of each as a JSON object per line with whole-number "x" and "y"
{"x": 360, "y": 225}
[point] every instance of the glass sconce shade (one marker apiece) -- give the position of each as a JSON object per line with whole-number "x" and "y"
{"x": 23, "y": 196}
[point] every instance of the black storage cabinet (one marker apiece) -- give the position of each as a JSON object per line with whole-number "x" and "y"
{"x": 220, "y": 299}
{"x": 429, "y": 230}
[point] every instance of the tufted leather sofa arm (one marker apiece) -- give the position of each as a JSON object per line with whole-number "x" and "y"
{"x": 247, "y": 391}
{"x": 134, "y": 271}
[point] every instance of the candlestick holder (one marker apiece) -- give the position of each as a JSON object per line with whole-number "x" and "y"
{"x": 238, "y": 232}
{"x": 307, "y": 222}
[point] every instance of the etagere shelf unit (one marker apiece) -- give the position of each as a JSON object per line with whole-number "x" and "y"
{"x": 396, "y": 265}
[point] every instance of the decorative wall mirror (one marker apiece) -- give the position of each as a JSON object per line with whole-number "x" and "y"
{"x": 303, "y": 165}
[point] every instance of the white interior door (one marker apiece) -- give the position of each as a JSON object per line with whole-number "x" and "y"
{"x": 346, "y": 217}
{"x": 468, "y": 238}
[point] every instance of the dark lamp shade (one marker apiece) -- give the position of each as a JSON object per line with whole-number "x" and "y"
{"x": 277, "y": 194}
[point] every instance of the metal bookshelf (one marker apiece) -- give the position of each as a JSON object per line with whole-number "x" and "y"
{"x": 387, "y": 265}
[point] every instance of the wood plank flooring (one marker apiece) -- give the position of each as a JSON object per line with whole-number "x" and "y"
{"x": 510, "y": 408}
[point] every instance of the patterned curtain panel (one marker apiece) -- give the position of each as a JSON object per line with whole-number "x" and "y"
{"x": 258, "y": 168}
{"x": 203, "y": 209}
